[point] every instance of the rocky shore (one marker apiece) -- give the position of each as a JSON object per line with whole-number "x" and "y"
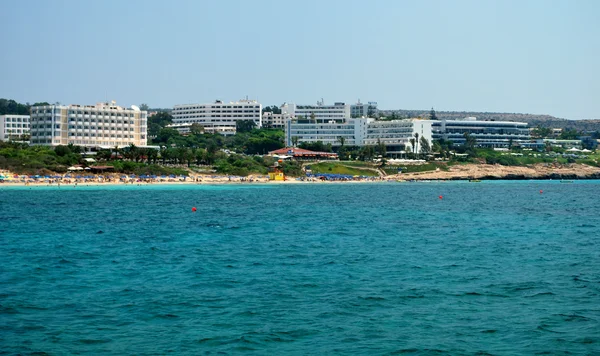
{"x": 487, "y": 172}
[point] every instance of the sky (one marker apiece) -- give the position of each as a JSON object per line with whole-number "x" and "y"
{"x": 527, "y": 56}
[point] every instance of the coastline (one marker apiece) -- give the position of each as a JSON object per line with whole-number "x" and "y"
{"x": 497, "y": 172}
{"x": 464, "y": 172}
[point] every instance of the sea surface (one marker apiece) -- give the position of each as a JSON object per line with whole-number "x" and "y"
{"x": 498, "y": 268}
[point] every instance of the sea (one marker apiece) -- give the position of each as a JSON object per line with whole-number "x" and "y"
{"x": 424, "y": 268}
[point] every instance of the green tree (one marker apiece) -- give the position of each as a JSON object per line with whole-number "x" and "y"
{"x": 144, "y": 107}
{"x": 541, "y": 132}
{"x": 196, "y": 129}
{"x": 341, "y": 140}
{"x": 425, "y": 146}
{"x": 157, "y": 122}
{"x": 432, "y": 115}
{"x": 569, "y": 134}
{"x": 244, "y": 125}
{"x": 380, "y": 148}
{"x": 470, "y": 143}
{"x": 294, "y": 140}
{"x": 313, "y": 117}
{"x": 416, "y": 148}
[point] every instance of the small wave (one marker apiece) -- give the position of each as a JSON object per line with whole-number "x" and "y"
{"x": 405, "y": 351}
{"x": 489, "y": 331}
{"x": 577, "y": 279}
{"x": 539, "y": 294}
{"x": 8, "y": 310}
{"x": 573, "y": 317}
{"x": 307, "y": 285}
{"x": 473, "y": 294}
{"x": 373, "y": 298}
{"x": 167, "y": 316}
{"x": 545, "y": 327}
{"x": 93, "y": 341}
{"x": 247, "y": 313}
{"x": 587, "y": 340}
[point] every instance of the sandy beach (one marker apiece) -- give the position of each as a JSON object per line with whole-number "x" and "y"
{"x": 457, "y": 172}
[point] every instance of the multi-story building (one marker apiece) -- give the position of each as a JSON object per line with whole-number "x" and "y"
{"x": 319, "y": 113}
{"x": 486, "y": 133}
{"x": 396, "y": 135}
{"x": 101, "y": 125}
{"x": 351, "y": 131}
{"x": 13, "y": 127}
{"x": 218, "y": 117}
{"x": 364, "y": 110}
{"x": 274, "y": 121}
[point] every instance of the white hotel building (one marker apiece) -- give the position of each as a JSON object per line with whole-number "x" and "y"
{"x": 395, "y": 135}
{"x": 218, "y": 117}
{"x": 102, "y": 125}
{"x": 352, "y": 130}
{"x": 13, "y": 126}
{"x": 337, "y": 112}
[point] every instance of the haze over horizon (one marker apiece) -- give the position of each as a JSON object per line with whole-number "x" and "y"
{"x": 532, "y": 56}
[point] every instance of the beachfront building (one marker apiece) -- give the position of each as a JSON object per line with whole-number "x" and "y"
{"x": 102, "y": 125}
{"x": 218, "y": 117}
{"x": 493, "y": 134}
{"x": 364, "y": 109}
{"x": 351, "y": 131}
{"x": 320, "y": 113}
{"x": 396, "y": 135}
{"x": 13, "y": 127}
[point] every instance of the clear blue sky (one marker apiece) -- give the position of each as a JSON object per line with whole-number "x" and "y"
{"x": 539, "y": 57}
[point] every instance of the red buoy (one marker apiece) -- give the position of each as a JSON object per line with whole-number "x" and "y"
{"x": 541, "y": 191}
{"x": 441, "y": 197}
{"x": 194, "y": 209}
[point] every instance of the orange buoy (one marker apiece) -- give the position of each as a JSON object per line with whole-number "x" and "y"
{"x": 194, "y": 209}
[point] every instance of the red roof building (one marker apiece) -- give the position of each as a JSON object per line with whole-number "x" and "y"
{"x": 299, "y": 153}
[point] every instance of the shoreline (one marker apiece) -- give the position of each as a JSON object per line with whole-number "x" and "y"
{"x": 467, "y": 172}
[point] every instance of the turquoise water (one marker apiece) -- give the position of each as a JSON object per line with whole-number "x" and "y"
{"x": 369, "y": 269}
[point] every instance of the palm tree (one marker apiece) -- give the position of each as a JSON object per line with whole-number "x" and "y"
{"x": 116, "y": 152}
{"x": 412, "y": 144}
{"x": 416, "y": 143}
{"x": 470, "y": 142}
{"x": 341, "y": 140}
{"x": 294, "y": 141}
